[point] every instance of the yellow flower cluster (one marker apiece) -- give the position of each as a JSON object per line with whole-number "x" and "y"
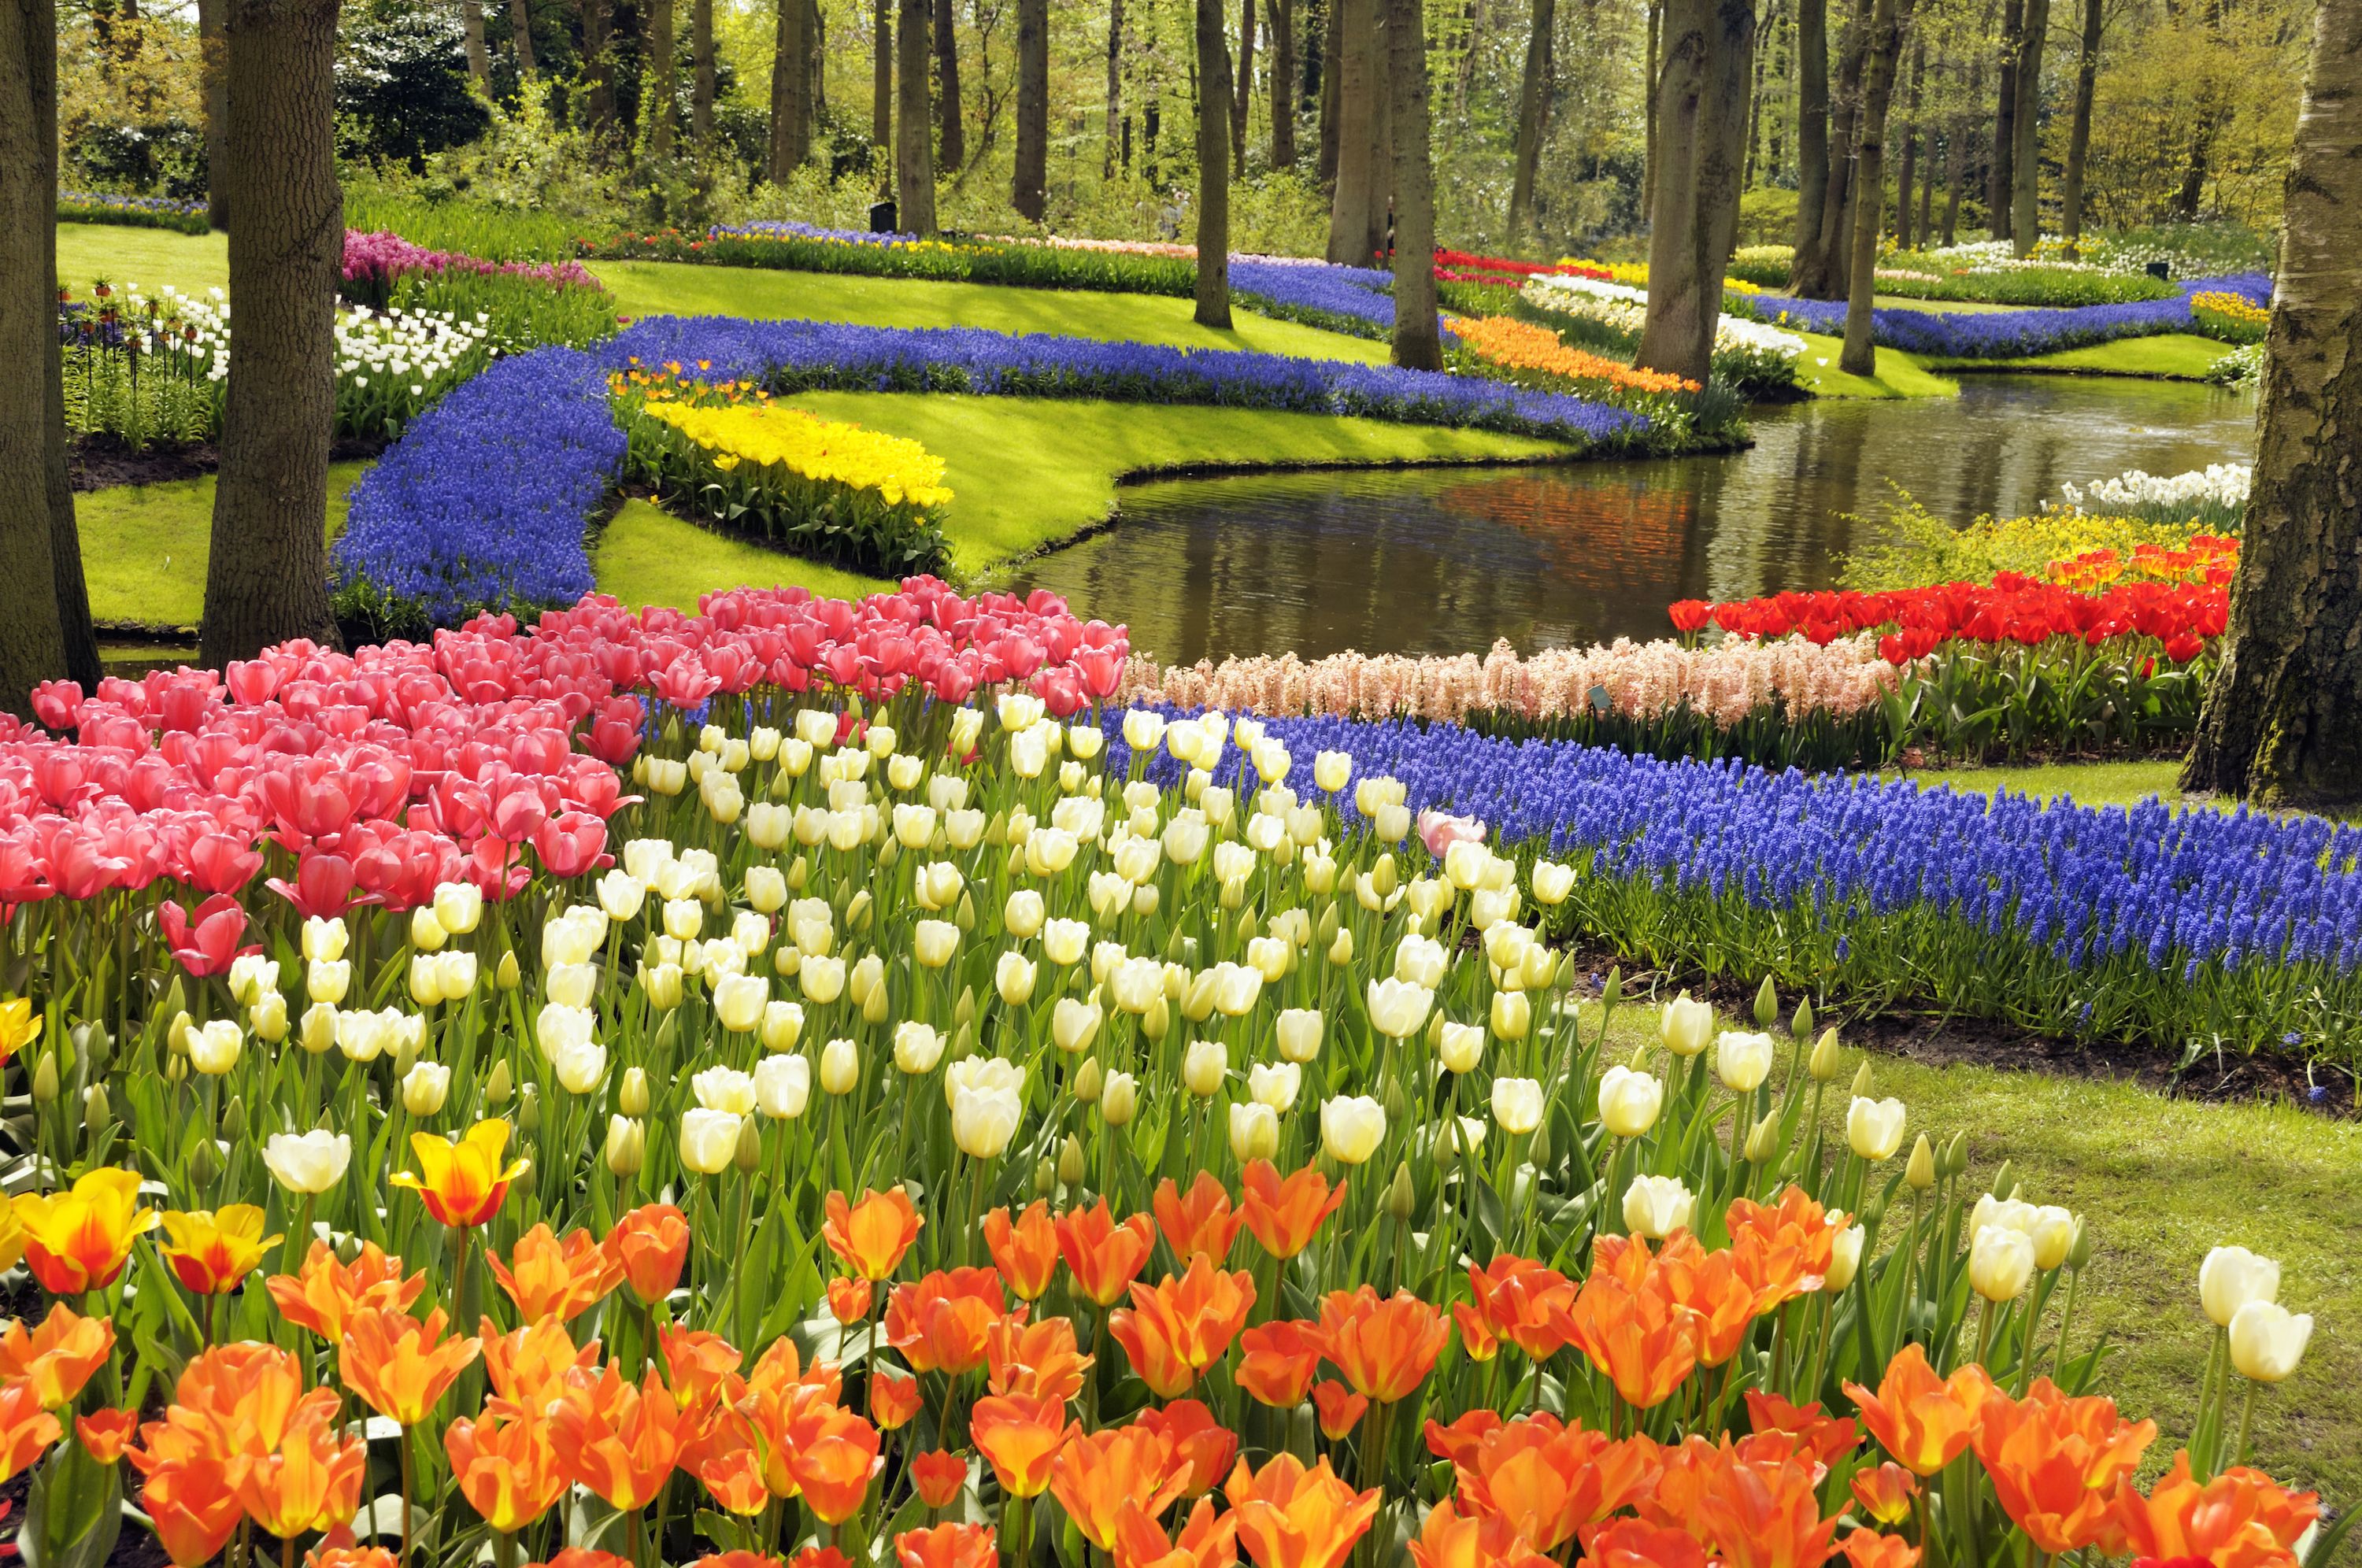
{"x": 899, "y": 468}
{"x": 1635, "y": 274}
{"x": 2231, "y": 307}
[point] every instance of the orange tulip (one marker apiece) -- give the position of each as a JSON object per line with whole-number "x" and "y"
{"x": 1384, "y": 1347}
{"x": 941, "y": 1322}
{"x": 1885, "y": 1492}
{"x": 60, "y": 1356}
{"x": 893, "y": 1400}
{"x": 1763, "y": 1515}
{"x": 104, "y": 1434}
{"x": 1519, "y": 1301}
{"x": 1823, "y": 1437}
{"x": 245, "y": 1395}
{"x": 505, "y": 1467}
{"x": 849, "y": 1298}
{"x": 462, "y": 1181}
{"x": 650, "y": 1244}
{"x": 1552, "y": 1483}
{"x": 1201, "y": 1223}
{"x": 1103, "y": 1256}
{"x": 1201, "y": 1445}
{"x": 310, "y": 1480}
{"x": 189, "y": 1493}
{"x": 213, "y": 1251}
{"x": 834, "y": 1462}
{"x": 1708, "y": 1284}
{"x": 871, "y": 1235}
{"x": 1868, "y": 1549}
{"x": 528, "y": 1365}
{"x": 327, "y": 1556}
{"x": 545, "y": 1276}
{"x": 1098, "y": 1474}
{"x": 1206, "y": 1541}
{"x": 1645, "y": 1345}
{"x": 1782, "y": 1250}
{"x": 731, "y": 1474}
{"x": 1279, "y": 1360}
{"x": 938, "y": 1477}
{"x": 2242, "y": 1519}
{"x": 25, "y": 1428}
{"x": 1025, "y": 1249}
{"x": 619, "y": 1440}
{"x": 400, "y": 1365}
{"x": 1339, "y": 1407}
{"x": 696, "y": 1362}
{"x": 742, "y": 1558}
{"x": 78, "y": 1240}
{"x": 1293, "y": 1518}
{"x": 1450, "y": 1539}
{"x": 1175, "y": 1331}
{"x": 1461, "y": 1441}
{"x": 326, "y": 1292}
{"x": 2057, "y": 1462}
{"x": 1039, "y": 1359}
{"x": 1477, "y": 1340}
{"x": 947, "y": 1546}
{"x": 1635, "y": 1544}
{"x": 1284, "y": 1215}
{"x": 1019, "y": 1436}
{"x": 583, "y": 1557}
{"x": 1921, "y": 1419}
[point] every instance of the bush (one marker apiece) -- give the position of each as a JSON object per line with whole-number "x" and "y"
{"x": 133, "y": 212}
{"x": 1908, "y": 275}
{"x": 402, "y": 90}
{"x": 1767, "y": 216}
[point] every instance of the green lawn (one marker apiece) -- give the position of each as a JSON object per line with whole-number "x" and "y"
{"x": 144, "y": 546}
{"x": 647, "y": 556}
{"x": 2171, "y": 355}
{"x": 2089, "y": 783}
{"x": 1899, "y": 374}
{"x": 147, "y": 257}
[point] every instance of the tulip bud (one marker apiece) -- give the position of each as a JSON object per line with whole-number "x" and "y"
{"x": 45, "y": 1081}
{"x": 1156, "y": 1021}
{"x": 2079, "y": 1250}
{"x": 2004, "y": 1181}
{"x": 1402, "y": 1198}
{"x": 1118, "y": 1099}
{"x": 1920, "y": 1173}
{"x": 1767, "y": 1005}
{"x": 631, "y": 1094}
{"x": 627, "y": 1145}
{"x": 1823, "y": 1063}
{"x": 840, "y": 1066}
{"x": 506, "y": 974}
{"x": 96, "y": 1113}
{"x": 1070, "y": 1161}
{"x": 204, "y": 1161}
{"x": 1800, "y": 1027}
{"x": 748, "y": 1155}
{"x": 528, "y": 1116}
{"x": 1844, "y": 1259}
{"x": 1861, "y": 1081}
{"x": 233, "y": 1122}
{"x": 1086, "y": 1081}
{"x": 1955, "y": 1159}
{"x": 1763, "y": 1139}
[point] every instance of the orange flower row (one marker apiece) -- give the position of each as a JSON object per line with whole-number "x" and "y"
{"x": 2206, "y": 558}
{"x": 1524, "y": 346}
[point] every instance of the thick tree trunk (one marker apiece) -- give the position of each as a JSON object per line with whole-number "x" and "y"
{"x": 701, "y": 69}
{"x": 1652, "y": 79}
{"x": 1242, "y": 88}
{"x": 2001, "y": 177}
{"x": 1213, "y": 168}
{"x": 1907, "y": 169}
{"x": 480, "y": 59}
{"x": 1709, "y": 48}
{"x": 1419, "y": 338}
{"x": 881, "y": 88}
{"x": 2025, "y": 132}
{"x": 598, "y": 63}
{"x": 2079, "y": 129}
{"x": 521, "y": 40}
{"x": 1377, "y": 42}
{"x": 1811, "y": 132}
{"x": 2277, "y": 726}
{"x": 791, "y": 81}
{"x": 951, "y": 128}
{"x": 1820, "y": 274}
{"x": 914, "y": 149}
{"x": 1332, "y": 69}
{"x": 1029, "y": 190}
{"x": 1115, "y": 122}
{"x": 661, "y": 99}
{"x": 1881, "y": 48}
{"x": 213, "y": 71}
{"x": 1282, "y": 83}
{"x": 267, "y": 577}
{"x": 1533, "y": 118}
{"x": 1349, "y": 59}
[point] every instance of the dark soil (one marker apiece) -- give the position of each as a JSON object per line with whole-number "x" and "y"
{"x": 102, "y": 462}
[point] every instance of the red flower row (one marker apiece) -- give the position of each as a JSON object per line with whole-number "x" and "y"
{"x": 2011, "y": 609}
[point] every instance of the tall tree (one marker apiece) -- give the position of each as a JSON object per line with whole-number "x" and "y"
{"x": 1283, "y": 69}
{"x": 213, "y": 74}
{"x": 45, "y": 630}
{"x": 1820, "y": 272}
{"x": 480, "y": 59}
{"x": 1881, "y": 49}
{"x": 1331, "y": 64}
{"x": 658, "y": 95}
{"x": 2025, "y": 130}
{"x": 1242, "y": 87}
{"x": 914, "y": 149}
{"x": 1959, "y": 141}
{"x": 881, "y": 89}
{"x": 1418, "y": 338}
{"x": 1115, "y": 121}
{"x": 1213, "y": 168}
{"x": 1811, "y": 132}
{"x": 1709, "y": 48}
{"x": 2000, "y": 175}
{"x": 951, "y": 131}
{"x": 791, "y": 110}
{"x": 1533, "y": 116}
{"x": 2079, "y": 126}
{"x": 1029, "y": 189}
{"x": 521, "y": 40}
{"x": 598, "y": 62}
{"x": 2278, "y": 726}
{"x": 1651, "y": 81}
{"x": 1907, "y": 169}
{"x": 268, "y": 576}
{"x": 1350, "y": 23}
{"x": 701, "y": 84}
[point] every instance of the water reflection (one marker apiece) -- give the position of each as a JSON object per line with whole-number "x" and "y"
{"x": 1443, "y": 560}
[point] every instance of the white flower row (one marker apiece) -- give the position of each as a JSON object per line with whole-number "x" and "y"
{"x": 2219, "y": 484}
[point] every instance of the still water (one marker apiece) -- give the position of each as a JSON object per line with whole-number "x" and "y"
{"x": 1443, "y": 560}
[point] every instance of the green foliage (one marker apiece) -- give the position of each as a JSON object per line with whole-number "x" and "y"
{"x": 1767, "y": 216}
{"x": 402, "y": 87}
{"x": 493, "y": 230}
{"x": 969, "y": 261}
{"x": 520, "y": 312}
{"x": 93, "y": 207}
{"x": 2017, "y": 284}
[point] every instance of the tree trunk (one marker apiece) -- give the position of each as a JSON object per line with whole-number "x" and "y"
{"x": 520, "y": 36}
{"x": 1115, "y": 91}
{"x": 1349, "y": 60}
{"x": 701, "y": 79}
{"x": 1929, "y": 162}
{"x": 480, "y": 59}
{"x": 914, "y": 150}
{"x": 1821, "y": 272}
{"x": 1533, "y": 118}
{"x": 2025, "y": 156}
{"x": 1242, "y": 88}
{"x": 1908, "y": 168}
{"x": 1213, "y": 168}
{"x": 1755, "y": 103}
{"x": 815, "y": 76}
{"x": 1811, "y": 132}
{"x": 267, "y": 578}
{"x": 597, "y": 64}
{"x": 1419, "y": 338}
{"x": 1709, "y": 48}
{"x": 1958, "y": 142}
{"x": 1652, "y": 79}
{"x": 1029, "y": 191}
{"x": 951, "y": 128}
{"x": 2277, "y": 726}
{"x": 1282, "y": 83}
{"x": 881, "y": 87}
{"x": 2079, "y": 129}
{"x": 2001, "y": 177}
{"x": 790, "y": 80}
{"x": 1332, "y": 69}
{"x": 661, "y": 99}
{"x": 1882, "y": 49}
{"x": 213, "y": 71}
{"x": 1378, "y": 71}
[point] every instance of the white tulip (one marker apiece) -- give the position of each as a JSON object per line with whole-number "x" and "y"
{"x": 1254, "y": 1131}
{"x": 1844, "y": 1259}
{"x": 739, "y": 1000}
{"x": 1552, "y": 882}
{"x": 1685, "y": 1026}
{"x": 2267, "y": 1341}
{"x": 2232, "y": 1277}
{"x": 1460, "y": 1047}
{"x": 723, "y": 1089}
{"x": 1874, "y": 1127}
{"x": 1657, "y": 1206}
{"x": 1074, "y": 1024}
{"x": 459, "y": 907}
{"x": 325, "y": 938}
{"x": 1203, "y": 1066}
{"x": 985, "y": 1120}
{"x": 1398, "y": 1007}
{"x": 2001, "y": 1263}
{"x": 840, "y": 1066}
{"x": 1300, "y": 1033}
{"x": 1742, "y": 1060}
{"x": 308, "y": 1163}
{"x": 916, "y": 1046}
{"x": 214, "y": 1048}
{"x": 1352, "y": 1126}
{"x": 424, "y": 1087}
{"x": 580, "y": 1067}
{"x": 782, "y": 1087}
{"x": 327, "y": 979}
{"x": 1517, "y": 1104}
{"x": 1274, "y": 1084}
{"x": 1628, "y": 1102}
{"x": 709, "y": 1140}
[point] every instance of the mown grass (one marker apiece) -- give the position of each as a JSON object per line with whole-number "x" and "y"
{"x": 2086, "y": 783}
{"x": 144, "y": 547}
{"x": 1898, "y": 374}
{"x": 647, "y": 556}
{"x": 2169, "y": 356}
{"x": 147, "y": 257}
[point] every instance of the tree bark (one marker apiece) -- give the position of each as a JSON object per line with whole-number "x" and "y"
{"x": 521, "y": 37}
{"x": 2025, "y": 156}
{"x": 2079, "y": 129}
{"x": 1811, "y": 132}
{"x": 1378, "y": 74}
{"x": 1242, "y": 88}
{"x": 1115, "y": 151}
{"x": 1928, "y": 164}
{"x": 1332, "y": 75}
{"x": 1029, "y": 191}
{"x": 1957, "y": 143}
{"x": 914, "y": 149}
{"x": 1213, "y": 168}
{"x": 1882, "y": 49}
{"x": 881, "y": 87}
{"x": 1653, "y": 78}
{"x": 213, "y": 71}
{"x": 1418, "y": 338}
{"x": 1755, "y": 101}
{"x": 1907, "y": 169}
{"x": 790, "y": 78}
{"x": 656, "y": 77}
{"x": 2001, "y": 178}
{"x": 951, "y": 130}
{"x": 702, "y": 79}
{"x": 480, "y": 59}
{"x": 1709, "y": 48}
{"x": 1533, "y": 118}
{"x": 2277, "y": 726}
{"x": 267, "y": 577}
{"x": 1349, "y": 60}
{"x": 598, "y": 65}
{"x": 1283, "y": 93}
{"x": 1821, "y": 272}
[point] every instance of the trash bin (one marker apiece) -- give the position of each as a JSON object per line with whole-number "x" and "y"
{"x": 2159, "y": 271}
{"x": 881, "y": 217}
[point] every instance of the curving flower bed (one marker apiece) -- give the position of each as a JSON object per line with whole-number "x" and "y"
{"x": 2016, "y": 333}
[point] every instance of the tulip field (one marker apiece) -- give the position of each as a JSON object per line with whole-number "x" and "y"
{"x": 823, "y": 1083}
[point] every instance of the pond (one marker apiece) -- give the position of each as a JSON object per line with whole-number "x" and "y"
{"x": 1444, "y": 560}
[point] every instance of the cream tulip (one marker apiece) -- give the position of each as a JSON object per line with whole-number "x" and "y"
{"x": 782, "y": 1087}
{"x": 822, "y": 980}
{"x": 2001, "y": 1263}
{"x": 1628, "y": 1102}
{"x": 424, "y": 1087}
{"x": 308, "y": 1163}
{"x": 1352, "y": 1126}
{"x": 1460, "y": 1046}
{"x": 325, "y": 938}
{"x": 1274, "y": 1084}
{"x": 1398, "y": 1007}
{"x": 1063, "y": 941}
{"x": 1874, "y": 1127}
{"x": 579, "y": 1068}
{"x": 1552, "y": 882}
{"x": 2232, "y": 1277}
{"x": 1844, "y": 1259}
{"x": 459, "y": 907}
{"x": 1513, "y": 1015}
{"x": 1300, "y": 1033}
{"x": 2267, "y": 1341}
{"x": 916, "y": 1046}
{"x": 571, "y": 984}
{"x": 1013, "y": 978}
{"x": 1685, "y": 1026}
{"x": 1074, "y": 1023}
{"x": 1203, "y": 1066}
{"x": 724, "y": 1088}
{"x": 1657, "y": 1206}
{"x": 985, "y": 1120}
{"x": 1118, "y": 1099}
{"x": 1518, "y": 1105}
{"x": 327, "y": 979}
{"x": 840, "y": 1066}
{"x": 2053, "y": 1234}
{"x": 739, "y": 1000}
{"x": 214, "y": 1048}
{"x": 1254, "y": 1131}
{"x": 708, "y": 1140}
{"x": 933, "y": 941}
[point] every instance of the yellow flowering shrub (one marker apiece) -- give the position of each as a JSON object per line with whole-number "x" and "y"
{"x": 897, "y": 468}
